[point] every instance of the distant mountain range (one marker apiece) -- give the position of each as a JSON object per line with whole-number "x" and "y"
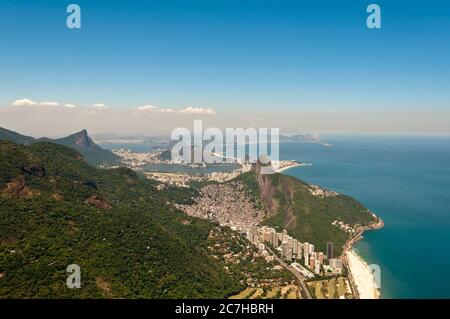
{"x": 97, "y": 156}
{"x": 15, "y": 137}
{"x": 81, "y": 142}
{"x": 164, "y": 142}
{"x": 303, "y": 138}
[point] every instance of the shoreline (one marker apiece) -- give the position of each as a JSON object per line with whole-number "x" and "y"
{"x": 280, "y": 170}
{"x": 361, "y": 279}
{"x": 360, "y": 276}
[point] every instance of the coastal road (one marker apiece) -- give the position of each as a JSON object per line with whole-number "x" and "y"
{"x": 350, "y": 277}
{"x": 300, "y": 279}
{"x": 348, "y": 245}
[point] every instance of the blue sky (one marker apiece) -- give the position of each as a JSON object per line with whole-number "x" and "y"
{"x": 229, "y": 55}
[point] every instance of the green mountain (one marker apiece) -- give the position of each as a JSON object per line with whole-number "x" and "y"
{"x": 15, "y": 137}
{"x": 80, "y": 141}
{"x": 292, "y": 205}
{"x": 93, "y": 154}
{"x": 128, "y": 238}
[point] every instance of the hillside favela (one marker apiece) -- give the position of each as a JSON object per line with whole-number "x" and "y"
{"x": 257, "y": 235}
{"x": 224, "y": 155}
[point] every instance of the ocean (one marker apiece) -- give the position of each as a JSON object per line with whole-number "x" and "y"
{"x": 406, "y": 181}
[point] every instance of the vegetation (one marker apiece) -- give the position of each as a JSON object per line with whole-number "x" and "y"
{"x": 92, "y": 153}
{"x": 80, "y": 142}
{"x": 181, "y": 196}
{"x": 126, "y": 236}
{"x": 14, "y": 137}
{"x": 252, "y": 188}
{"x": 307, "y": 217}
{"x": 332, "y": 288}
{"x": 279, "y": 292}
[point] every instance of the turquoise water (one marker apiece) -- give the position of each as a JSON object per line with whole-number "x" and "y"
{"x": 404, "y": 180}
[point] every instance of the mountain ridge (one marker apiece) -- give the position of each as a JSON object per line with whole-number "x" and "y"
{"x": 127, "y": 237}
{"x": 80, "y": 141}
{"x": 306, "y": 211}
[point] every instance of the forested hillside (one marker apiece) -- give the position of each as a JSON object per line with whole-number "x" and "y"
{"x": 128, "y": 239}
{"x": 308, "y": 217}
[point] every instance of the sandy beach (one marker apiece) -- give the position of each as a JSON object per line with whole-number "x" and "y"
{"x": 291, "y": 166}
{"x": 362, "y": 276}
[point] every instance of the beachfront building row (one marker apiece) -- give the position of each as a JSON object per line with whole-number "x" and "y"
{"x": 293, "y": 250}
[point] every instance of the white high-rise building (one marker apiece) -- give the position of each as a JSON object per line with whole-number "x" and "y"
{"x": 295, "y": 245}
{"x": 267, "y": 236}
{"x": 289, "y": 252}
{"x": 275, "y": 240}
{"x": 306, "y": 253}
{"x": 299, "y": 251}
{"x": 305, "y": 249}
{"x": 317, "y": 268}
{"x": 284, "y": 234}
{"x": 312, "y": 263}
{"x": 320, "y": 258}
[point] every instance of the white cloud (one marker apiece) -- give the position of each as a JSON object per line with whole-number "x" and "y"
{"x": 100, "y": 106}
{"x": 166, "y": 110}
{"x": 49, "y": 103}
{"x": 186, "y": 110}
{"x": 24, "y": 102}
{"x": 146, "y": 108}
{"x": 153, "y": 108}
{"x": 28, "y": 102}
{"x": 197, "y": 110}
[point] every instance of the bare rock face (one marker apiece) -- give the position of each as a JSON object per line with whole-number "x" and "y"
{"x": 267, "y": 189}
{"x": 17, "y": 189}
{"x": 98, "y": 202}
{"x": 83, "y": 139}
{"x": 104, "y": 286}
